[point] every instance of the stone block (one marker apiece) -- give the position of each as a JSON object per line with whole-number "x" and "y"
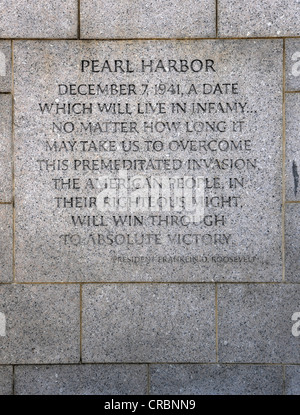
{"x": 292, "y": 156}
{"x": 216, "y": 380}
{"x": 129, "y": 19}
{"x": 40, "y": 324}
{"x": 292, "y": 64}
{"x": 255, "y": 323}
{"x": 81, "y": 380}
{"x": 292, "y": 242}
{"x": 6, "y": 243}
{"x": 148, "y": 323}
{"x": 5, "y": 65}
{"x": 292, "y": 380}
{"x": 5, "y": 148}
{"x": 258, "y": 18}
{"x": 38, "y": 19}
{"x": 6, "y": 380}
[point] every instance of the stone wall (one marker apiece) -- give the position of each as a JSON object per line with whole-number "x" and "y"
{"x": 95, "y": 299}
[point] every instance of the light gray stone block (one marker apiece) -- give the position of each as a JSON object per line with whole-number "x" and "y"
{"x": 129, "y": 19}
{"x": 5, "y": 65}
{"x": 292, "y": 157}
{"x": 81, "y": 380}
{"x": 292, "y": 380}
{"x": 38, "y": 19}
{"x": 148, "y": 323}
{"x": 242, "y": 178}
{"x": 255, "y": 323}
{"x": 292, "y": 242}
{"x": 6, "y": 380}
{"x": 215, "y": 380}
{"x": 6, "y": 243}
{"x": 42, "y": 324}
{"x": 5, "y": 148}
{"x": 292, "y": 64}
{"x": 261, "y": 18}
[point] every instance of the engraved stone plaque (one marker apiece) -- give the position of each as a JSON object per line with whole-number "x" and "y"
{"x": 148, "y": 160}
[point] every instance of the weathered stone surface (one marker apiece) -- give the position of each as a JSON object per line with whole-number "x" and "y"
{"x": 242, "y": 174}
{"x": 255, "y": 323}
{"x": 42, "y": 324}
{"x": 5, "y": 65}
{"x": 292, "y": 380}
{"x": 81, "y": 380}
{"x": 5, "y": 149}
{"x": 215, "y": 380}
{"x": 239, "y": 18}
{"x": 292, "y": 242}
{"x": 6, "y": 243}
{"x": 148, "y": 323}
{"x": 6, "y": 380}
{"x": 292, "y": 159}
{"x": 38, "y": 19}
{"x": 292, "y": 62}
{"x": 129, "y": 19}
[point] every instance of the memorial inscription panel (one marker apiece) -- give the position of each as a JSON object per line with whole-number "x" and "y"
{"x": 148, "y": 160}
